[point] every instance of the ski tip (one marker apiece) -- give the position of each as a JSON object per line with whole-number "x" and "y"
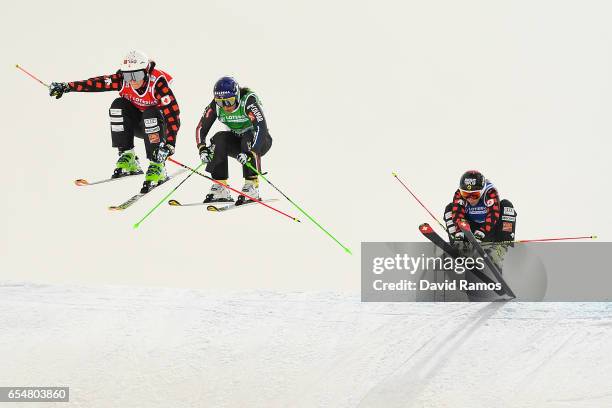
{"x": 114, "y": 208}
{"x": 136, "y": 225}
{"x": 212, "y": 208}
{"x": 394, "y": 174}
{"x": 425, "y": 228}
{"x": 174, "y": 203}
{"x": 593, "y": 236}
{"x": 81, "y": 182}
{"x": 297, "y": 219}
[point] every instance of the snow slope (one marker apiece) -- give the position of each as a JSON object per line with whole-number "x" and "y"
{"x": 130, "y": 347}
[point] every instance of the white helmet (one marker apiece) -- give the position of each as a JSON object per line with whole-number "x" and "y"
{"x": 134, "y": 61}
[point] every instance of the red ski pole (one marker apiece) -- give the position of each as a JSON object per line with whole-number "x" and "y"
{"x": 523, "y": 241}
{"x": 556, "y": 239}
{"x": 419, "y": 201}
{"x": 233, "y": 189}
{"x": 30, "y": 75}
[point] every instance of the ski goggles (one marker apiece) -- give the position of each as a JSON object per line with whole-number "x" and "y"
{"x": 226, "y": 102}
{"x": 471, "y": 195}
{"x": 134, "y": 76}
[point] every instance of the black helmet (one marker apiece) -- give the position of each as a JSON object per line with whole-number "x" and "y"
{"x": 472, "y": 180}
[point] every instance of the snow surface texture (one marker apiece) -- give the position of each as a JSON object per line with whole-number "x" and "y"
{"x": 128, "y": 347}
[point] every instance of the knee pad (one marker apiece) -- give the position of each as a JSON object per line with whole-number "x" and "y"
{"x": 448, "y": 213}
{"x": 451, "y": 228}
{"x": 116, "y": 115}
{"x": 220, "y": 142}
{"x": 507, "y": 227}
{"x": 153, "y": 125}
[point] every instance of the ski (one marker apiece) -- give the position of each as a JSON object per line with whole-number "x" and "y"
{"x": 176, "y": 203}
{"x": 215, "y": 208}
{"x": 85, "y": 182}
{"x": 465, "y": 227}
{"x": 138, "y": 196}
{"x": 429, "y": 233}
{"x": 433, "y": 236}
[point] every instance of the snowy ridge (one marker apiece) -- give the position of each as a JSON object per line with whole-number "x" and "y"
{"x": 186, "y": 348}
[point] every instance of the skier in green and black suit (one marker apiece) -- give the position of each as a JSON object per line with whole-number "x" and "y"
{"x": 247, "y": 138}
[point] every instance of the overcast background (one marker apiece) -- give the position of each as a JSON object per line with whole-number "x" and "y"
{"x": 352, "y": 91}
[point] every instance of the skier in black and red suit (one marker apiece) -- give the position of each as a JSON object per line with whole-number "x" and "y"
{"x": 477, "y": 201}
{"x": 146, "y": 108}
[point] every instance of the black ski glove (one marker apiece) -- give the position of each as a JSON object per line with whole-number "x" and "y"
{"x": 57, "y": 89}
{"x": 207, "y": 153}
{"x": 163, "y": 152}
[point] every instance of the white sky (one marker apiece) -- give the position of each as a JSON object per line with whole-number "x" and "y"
{"x": 520, "y": 90}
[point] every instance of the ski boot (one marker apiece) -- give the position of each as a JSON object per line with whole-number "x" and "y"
{"x": 156, "y": 175}
{"x": 127, "y": 165}
{"x": 251, "y": 188}
{"x": 497, "y": 253}
{"x": 219, "y": 194}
